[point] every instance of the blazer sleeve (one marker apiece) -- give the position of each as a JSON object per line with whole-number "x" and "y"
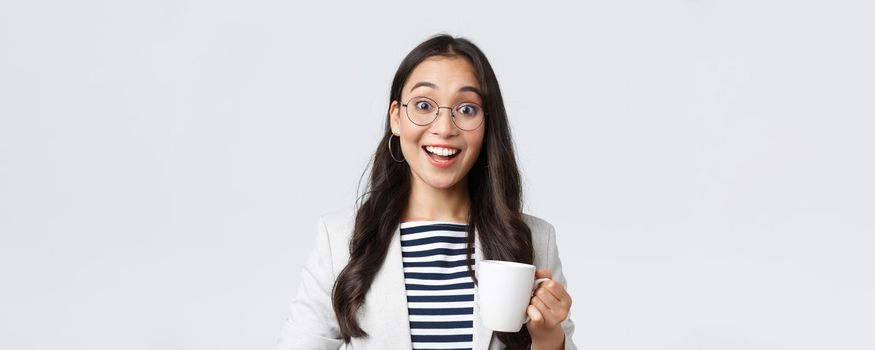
{"x": 311, "y": 323}
{"x": 555, "y": 266}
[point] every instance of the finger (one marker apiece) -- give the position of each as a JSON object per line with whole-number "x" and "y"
{"x": 556, "y": 290}
{"x": 540, "y": 304}
{"x": 535, "y": 316}
{"x": 552, "y": 317}
{"x": 548, "y": 298}
{"x": 543, "y": 273}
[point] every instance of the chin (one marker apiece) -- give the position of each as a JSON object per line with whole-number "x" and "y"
{"x": 441, "y": 183}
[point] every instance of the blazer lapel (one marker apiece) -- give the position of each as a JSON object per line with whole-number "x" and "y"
{"x": 387, "y": 297}
{"x": 482, "y": 335}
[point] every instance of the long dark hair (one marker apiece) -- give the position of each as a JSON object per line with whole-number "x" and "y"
{"x": 493, "y": 185}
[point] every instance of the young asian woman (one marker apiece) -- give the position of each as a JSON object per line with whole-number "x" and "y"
{"x": 399, "y": 270}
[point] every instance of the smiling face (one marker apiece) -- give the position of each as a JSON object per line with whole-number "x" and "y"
{"x": 439, "y": 154}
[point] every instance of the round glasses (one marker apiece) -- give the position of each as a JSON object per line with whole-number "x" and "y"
{"x": 423, "y": 111}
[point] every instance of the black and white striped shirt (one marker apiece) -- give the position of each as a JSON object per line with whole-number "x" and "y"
{"x": 440, "y": 293}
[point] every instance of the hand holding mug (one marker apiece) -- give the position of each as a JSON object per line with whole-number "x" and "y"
{"x": 512, "y": 294}
{"x": 548, "y": 307}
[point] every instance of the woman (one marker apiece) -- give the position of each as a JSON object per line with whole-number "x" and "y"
{"x": 444, "y": 194}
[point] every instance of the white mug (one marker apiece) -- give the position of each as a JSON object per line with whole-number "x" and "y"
{"x": 504, "y": 290}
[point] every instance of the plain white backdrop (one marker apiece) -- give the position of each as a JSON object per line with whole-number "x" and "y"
{"x": 708, "y": 164}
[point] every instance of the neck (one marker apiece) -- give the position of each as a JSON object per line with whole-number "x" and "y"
{"x": 428, "y": 203}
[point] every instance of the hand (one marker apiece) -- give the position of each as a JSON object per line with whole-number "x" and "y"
{"x": 547, "y": 309}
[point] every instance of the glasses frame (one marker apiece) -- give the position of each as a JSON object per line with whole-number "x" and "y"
{"x": 437, "y": 112}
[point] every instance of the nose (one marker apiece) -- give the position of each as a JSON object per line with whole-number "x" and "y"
{"x": 444, "y": 126}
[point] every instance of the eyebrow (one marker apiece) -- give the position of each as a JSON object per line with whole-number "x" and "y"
{"x": 433, "y": 86}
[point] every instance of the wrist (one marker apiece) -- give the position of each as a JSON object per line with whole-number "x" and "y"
{"x": 552, "y": 339}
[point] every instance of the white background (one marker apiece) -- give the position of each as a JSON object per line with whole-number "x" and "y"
{"x": 708, "y": 164}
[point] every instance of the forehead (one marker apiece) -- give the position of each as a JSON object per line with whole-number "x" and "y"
{"x": 447, "y": 73}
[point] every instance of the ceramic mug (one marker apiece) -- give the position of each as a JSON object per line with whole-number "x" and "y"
{"x": 504, "y": 290}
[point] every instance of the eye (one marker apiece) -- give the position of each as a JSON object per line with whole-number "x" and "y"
{"x": 423, "y": 105}
{"x": 468, "y": 110}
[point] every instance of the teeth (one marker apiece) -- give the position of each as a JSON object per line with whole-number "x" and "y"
{"x": 441, "y": 151}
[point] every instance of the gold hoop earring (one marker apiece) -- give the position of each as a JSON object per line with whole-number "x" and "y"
{"x": 390, "y": 149}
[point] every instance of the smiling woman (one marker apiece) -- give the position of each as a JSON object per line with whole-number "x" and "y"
{"x": 444, "y": 193}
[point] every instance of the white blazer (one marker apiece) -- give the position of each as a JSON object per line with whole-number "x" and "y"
{"x": 312, "y": 325}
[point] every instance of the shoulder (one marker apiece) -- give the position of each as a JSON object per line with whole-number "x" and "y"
{"x": 543, "y": 237}
{"x": 543, "y": 232}
{"x": 338, "y": 217}
{"x": 538, "y": 225}
{"x": 341, "y": 222}
{"x": 338, "y": 223}
{"x": 335, "y": 229}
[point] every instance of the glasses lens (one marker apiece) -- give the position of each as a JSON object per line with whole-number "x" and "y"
{"x": 468, "y": 116}
{"x": 421, "y": 110}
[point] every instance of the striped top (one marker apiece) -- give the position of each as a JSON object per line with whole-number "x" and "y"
{"x": 440, "y": 293}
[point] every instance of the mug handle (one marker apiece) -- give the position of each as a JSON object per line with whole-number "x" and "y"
{"x": 537, "y": 284}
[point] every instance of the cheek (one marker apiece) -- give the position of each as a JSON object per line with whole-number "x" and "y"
{"x": 475, "y": 144}
{"x": 409, "y": 142}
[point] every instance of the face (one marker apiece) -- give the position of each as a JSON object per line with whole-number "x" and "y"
{"x": 448, "y": 81}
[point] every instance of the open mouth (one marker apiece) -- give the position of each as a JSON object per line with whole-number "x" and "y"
{"x": 441, "y": 154}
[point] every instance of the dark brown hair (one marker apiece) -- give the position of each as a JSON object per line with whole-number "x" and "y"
{"x": 493, "y": 185}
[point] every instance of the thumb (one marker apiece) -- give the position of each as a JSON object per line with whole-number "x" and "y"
{"x": 543, "y": 274}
